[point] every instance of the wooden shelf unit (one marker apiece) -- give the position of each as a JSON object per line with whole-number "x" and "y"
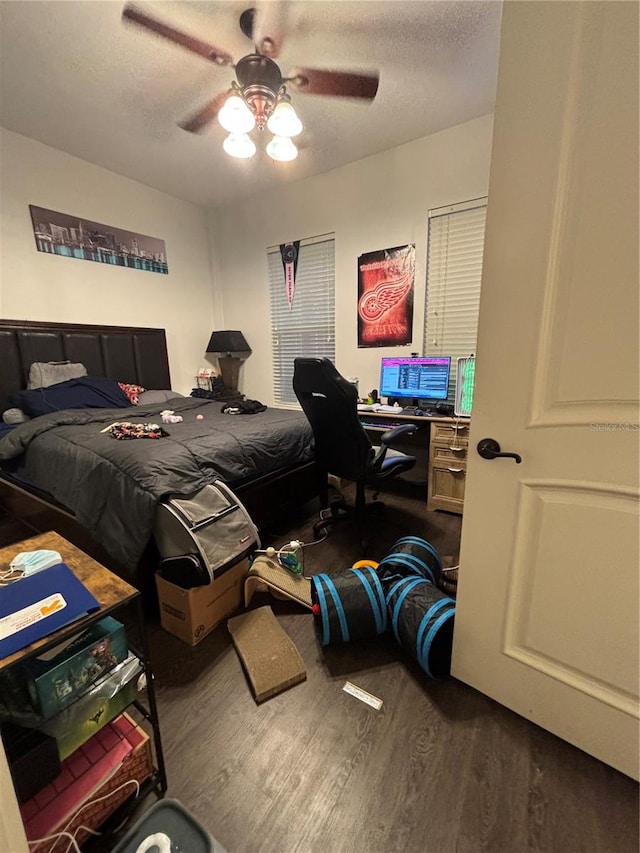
{"x": 113, "y": 594}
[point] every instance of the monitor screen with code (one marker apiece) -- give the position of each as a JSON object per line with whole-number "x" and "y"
{"x": 414, "y": 378}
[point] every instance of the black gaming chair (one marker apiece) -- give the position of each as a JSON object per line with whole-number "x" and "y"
{"x": 342, "y": 446}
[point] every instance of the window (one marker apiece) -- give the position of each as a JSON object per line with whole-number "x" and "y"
{"x": 454, "y": 273}
{"x": 308, "y": 329}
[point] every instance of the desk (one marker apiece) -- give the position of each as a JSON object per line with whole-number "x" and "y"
{"x": 440, "y": 446}
{"x": 112, "y": 593}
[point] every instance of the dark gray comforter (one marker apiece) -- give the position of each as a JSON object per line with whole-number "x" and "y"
{"x": 113, "y": 486}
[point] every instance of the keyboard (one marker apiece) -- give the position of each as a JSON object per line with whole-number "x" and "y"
{"x": 379, "y": 424}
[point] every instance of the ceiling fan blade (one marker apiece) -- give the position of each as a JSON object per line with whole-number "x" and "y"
{"x": 269, "y": 27}
{"x": 195, "y": 45}
{"x": 312, "y": 81}
{"x": 207, "y": 114}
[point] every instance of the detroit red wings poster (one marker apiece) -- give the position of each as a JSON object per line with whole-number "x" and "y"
{"x": 385, "y": 296}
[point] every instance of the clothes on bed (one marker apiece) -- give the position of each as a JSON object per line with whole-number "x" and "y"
{"x": 243, "y": 407}
{"x": 218, "y": 389}
{"x": 81, "y": 393}
{"x": 126, "y": 430}
{"x": 132, "y": 391}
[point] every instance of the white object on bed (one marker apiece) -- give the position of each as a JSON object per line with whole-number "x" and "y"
{"x": 15, "y": 416}
{"x": 42, "y": 374}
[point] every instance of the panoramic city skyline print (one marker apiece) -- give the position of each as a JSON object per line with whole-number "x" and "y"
{"x": 74, "y": 237}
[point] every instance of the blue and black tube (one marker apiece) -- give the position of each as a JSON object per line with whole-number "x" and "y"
{"x": 349, "y": 605}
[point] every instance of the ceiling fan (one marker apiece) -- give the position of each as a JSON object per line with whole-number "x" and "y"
{"x": 258, "y": 97}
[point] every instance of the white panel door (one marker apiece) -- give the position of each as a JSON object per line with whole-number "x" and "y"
{"x": 547, "y": 617}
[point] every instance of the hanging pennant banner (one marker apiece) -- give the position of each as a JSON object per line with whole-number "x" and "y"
{"x": 289, "y": 254}
{"x": 385, "y": 297}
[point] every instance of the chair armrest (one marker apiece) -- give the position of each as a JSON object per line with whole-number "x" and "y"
{"x": 390, "y": 435}
{"x": 387, "y": 438}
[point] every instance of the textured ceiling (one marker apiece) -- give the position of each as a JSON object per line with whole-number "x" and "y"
{"x": 73, "y": 76}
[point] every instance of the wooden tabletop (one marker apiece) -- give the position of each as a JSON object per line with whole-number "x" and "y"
{"x": 400, "y": 415}
{"x": 108, "y": 589}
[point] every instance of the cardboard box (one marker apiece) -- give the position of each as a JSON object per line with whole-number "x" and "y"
{"x": 191, "y": 614}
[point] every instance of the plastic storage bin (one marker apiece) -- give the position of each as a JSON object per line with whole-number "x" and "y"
{"x": 171, "y": 818}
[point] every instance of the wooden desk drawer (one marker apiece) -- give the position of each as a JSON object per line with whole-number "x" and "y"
{"x": 446, "y": 488}
{"x": 445, "y": 455}
{"x": 446, "y": 432}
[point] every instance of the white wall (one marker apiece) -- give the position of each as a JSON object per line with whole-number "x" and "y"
{"x": 37, "y": 286}
{"x": 375, "y": 203}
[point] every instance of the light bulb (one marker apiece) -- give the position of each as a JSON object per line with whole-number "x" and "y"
{"x": 282, "y": 148}
{"x": 239, "y": 145}
{"x": 235, "y": 116}
{"x": 284, "y": 120}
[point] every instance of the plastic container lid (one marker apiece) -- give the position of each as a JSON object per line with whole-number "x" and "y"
{"x": 170, "y": 817}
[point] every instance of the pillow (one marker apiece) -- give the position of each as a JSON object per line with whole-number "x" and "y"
{"x": 85, "y": 392}
{"x": 132, "y": 392}
{"x": 150, "y": 398}
{"x": 42, "y": 374}
{"x": 15, "y": 416}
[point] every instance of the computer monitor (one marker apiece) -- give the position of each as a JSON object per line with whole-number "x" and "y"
{"x": 414, "y": 379}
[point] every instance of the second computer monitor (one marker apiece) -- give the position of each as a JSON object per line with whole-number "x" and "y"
{"x": 410, "y": 380}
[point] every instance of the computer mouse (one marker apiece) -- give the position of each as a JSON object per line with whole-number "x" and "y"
{"x": 419, "y": 413}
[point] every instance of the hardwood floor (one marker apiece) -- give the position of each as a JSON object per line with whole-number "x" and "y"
{"x": 440, "y": 768}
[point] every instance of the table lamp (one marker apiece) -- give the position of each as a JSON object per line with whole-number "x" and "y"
{"x": 230, "y": 348}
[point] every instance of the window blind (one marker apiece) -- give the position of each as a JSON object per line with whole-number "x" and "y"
{"x": 454, "y": 274}
{"x": 308, "y": 329}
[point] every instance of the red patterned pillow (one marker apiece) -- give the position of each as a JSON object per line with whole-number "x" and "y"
{"x": 132, "y": 392}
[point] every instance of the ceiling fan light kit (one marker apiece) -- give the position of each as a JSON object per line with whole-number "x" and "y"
{"x": 259, "y": 97}
{"x": 255, "y": 104}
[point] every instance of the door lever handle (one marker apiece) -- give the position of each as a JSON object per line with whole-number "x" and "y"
{"x": 489, "y": 448}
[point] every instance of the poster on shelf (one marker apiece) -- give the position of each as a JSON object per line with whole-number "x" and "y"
{"x": 385, "y": 296}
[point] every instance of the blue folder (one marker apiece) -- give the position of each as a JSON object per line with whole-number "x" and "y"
{"x": 48, "y": 600}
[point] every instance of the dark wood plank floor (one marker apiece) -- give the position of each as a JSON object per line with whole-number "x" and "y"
{"x": 441, "y": 768}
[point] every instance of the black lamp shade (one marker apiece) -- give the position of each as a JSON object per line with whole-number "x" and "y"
{"x": 228, "y": 343}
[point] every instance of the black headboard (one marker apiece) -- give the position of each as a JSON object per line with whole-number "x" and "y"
{"x": 125, "y": 353}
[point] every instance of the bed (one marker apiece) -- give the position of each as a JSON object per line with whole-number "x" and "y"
{"x": 60, "y": 470}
